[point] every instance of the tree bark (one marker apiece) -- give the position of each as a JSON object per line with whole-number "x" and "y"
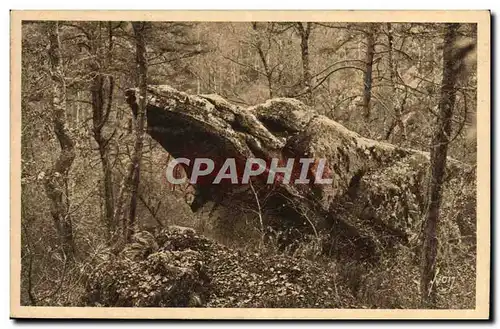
{"x": 305, "y": 32}
{"x": 367, "y": 79}
{"x": 56, "y": 181}
{"x": 438, "y": 153}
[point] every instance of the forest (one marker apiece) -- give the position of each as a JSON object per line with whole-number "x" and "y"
{"x": 106, "y": 105}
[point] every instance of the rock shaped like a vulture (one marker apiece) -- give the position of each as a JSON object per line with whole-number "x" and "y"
{"x": 377, "y": 195}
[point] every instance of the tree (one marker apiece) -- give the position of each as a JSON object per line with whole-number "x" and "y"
{"x": 367, "y": 78}
{"x": 140, "y": 29}
{"x": 268, "y": 70}
{"x": 452, "y": 58}
{"x": 130, "y": 184}
{"x": 101, "y": 91}
{"x": 304, "y": 30}
{"x": 56, "y": 180}
{"x": 396, "y": 105}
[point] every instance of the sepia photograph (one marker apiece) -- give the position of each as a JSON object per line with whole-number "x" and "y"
{"x": 250, "y": 164}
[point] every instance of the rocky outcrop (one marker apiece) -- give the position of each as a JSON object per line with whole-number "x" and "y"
{"x": 377, "y": 195}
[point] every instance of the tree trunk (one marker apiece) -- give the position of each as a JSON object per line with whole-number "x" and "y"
{"x": 439, "y": 149}
{"x": 397, "y": 121}
{"x": 100, "y": 117}
{"x": 139, "y": 31}
{"x": 265, "y": 63}
{"x": 367, "y": 79}
{"x": 56, "y": 182}
{"x": 305, "y": 32}
{"x": 101, "y": 109}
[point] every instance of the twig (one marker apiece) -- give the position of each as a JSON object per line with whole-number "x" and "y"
{"x": 152, "y": 211}
{"x": 259, "y": 209}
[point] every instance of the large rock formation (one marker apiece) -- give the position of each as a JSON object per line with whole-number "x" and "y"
{"x": 377, "y": 196}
